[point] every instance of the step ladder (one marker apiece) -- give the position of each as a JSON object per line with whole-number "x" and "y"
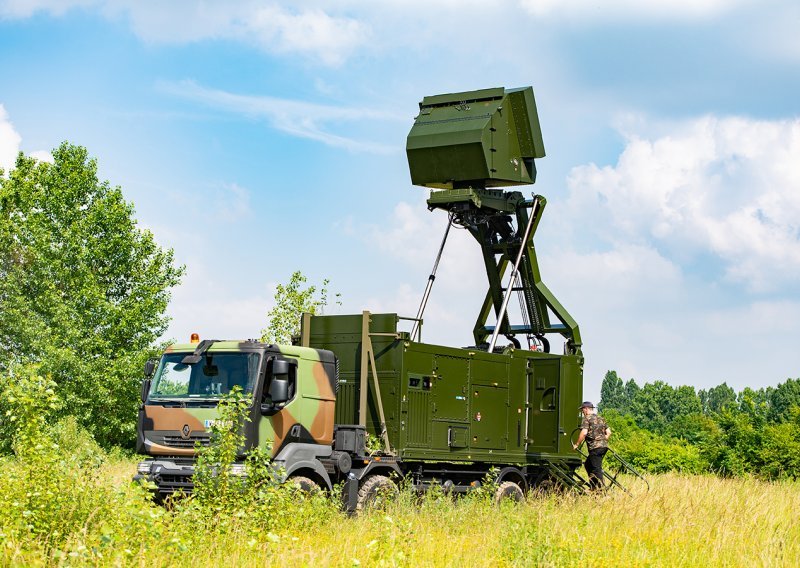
{"x": 611, "y": 471}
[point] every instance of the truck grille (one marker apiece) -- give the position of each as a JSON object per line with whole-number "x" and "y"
{"x": 190, "y": 442}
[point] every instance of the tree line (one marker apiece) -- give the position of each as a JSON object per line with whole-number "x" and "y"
{"x": 660, "y": 427}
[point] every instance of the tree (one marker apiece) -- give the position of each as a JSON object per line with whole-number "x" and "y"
{"x": 717, "y": 398}
{"x": 612, "y": 393}
{"x": 631, "y": 392}
{"x": 657, "y": 404}
{"x": 783, "y": 399}
{"x": 83, "y": 289}
{"x": 291, "y": 301}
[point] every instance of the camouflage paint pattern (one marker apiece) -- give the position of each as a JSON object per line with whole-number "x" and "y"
{"x": 308, "y": 417}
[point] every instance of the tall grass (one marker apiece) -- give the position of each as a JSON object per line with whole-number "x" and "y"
{"x": 66, "y": 503}
{"x": 682, "y": 521}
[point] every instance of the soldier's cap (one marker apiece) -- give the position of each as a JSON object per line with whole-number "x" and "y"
{"x": 586, "y": 404}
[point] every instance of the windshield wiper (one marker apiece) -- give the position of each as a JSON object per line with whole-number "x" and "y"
{"x": 184, "y": 403}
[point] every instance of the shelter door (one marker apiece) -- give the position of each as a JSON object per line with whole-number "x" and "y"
{"x": 542, "y": 407}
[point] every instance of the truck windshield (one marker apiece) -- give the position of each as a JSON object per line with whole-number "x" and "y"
{"x": 213, "y": 377}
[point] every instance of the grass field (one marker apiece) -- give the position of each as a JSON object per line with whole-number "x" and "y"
{"x": 681, "y": 521}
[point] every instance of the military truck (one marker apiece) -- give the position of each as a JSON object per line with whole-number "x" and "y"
{"x": 441, "y": 415}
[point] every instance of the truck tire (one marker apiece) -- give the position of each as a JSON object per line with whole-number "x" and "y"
{"x": 305, "y": 484}
{"x": 508, "y": 491}
{"x": 375, "y": 492}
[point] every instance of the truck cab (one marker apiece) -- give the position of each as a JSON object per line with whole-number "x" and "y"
{"x": 292, "y": 394}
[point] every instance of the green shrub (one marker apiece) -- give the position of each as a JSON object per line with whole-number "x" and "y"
{"x": 652, "y": 452}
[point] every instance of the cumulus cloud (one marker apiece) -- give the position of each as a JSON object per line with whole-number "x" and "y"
{"x": 725, "y": 187}
{"x": 298, "y": 118}
{"x": 309, "y": 31}
{"x": 408, "y": 239}
{"x": 42, "y": 156}
{"x": 9, "y": 141}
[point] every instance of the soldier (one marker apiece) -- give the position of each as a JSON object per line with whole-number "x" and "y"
{"x": 596, "y": 433}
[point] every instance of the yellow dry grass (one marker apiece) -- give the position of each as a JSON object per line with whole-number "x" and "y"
{"x": 682, "y": 521}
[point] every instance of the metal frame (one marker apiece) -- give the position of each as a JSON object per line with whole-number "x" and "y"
{"x": 622, "y": 466}
{"x": 367, "y": 360}
{"x": 501, "y": 223}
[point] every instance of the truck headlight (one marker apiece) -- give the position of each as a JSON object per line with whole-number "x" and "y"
{"x": 238, "y": 469}
{"x": 143, "y": 468}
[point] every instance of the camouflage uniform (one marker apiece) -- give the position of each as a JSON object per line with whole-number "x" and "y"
{"x": 597, "y": 442}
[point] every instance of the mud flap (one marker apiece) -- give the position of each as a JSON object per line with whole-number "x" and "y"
{"x": 350, "y": 494}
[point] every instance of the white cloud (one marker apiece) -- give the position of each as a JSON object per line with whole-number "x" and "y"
{"x": 728, "y": 187}
{"x": 627, "y": 276}
{"x": 27, "y": 8}
{"x": 330, "y": 32}
{"x": 407, "y": 239}
{"x": 309, "y": 31}
{"x": 594, "y": 10}
{"x": 228, "y": 316}
{"x": 298, "y": 118}
{"x": 42, "y": 156}
{"x": 764, "y": 319}
{"x": 9, "y": 141}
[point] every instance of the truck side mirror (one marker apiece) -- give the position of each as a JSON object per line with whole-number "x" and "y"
{"x": 149, "y": 368}
{"x": 279, "y": 389}
{"x": 280, "y": 367}
{"x": 145, "y": 389}
{"x": 279, "y": 385}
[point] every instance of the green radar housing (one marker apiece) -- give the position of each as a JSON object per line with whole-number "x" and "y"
{"x": 475, "y": 139}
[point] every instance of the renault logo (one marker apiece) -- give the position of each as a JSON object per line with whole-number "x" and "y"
{"x": 186, "y": 430}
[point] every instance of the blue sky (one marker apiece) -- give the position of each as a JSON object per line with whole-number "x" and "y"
{"x": 258, "y": 138}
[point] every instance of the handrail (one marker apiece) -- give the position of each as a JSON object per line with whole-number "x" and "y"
{"x": 623, "y": 465}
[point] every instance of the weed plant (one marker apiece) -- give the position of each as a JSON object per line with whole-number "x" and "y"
{"x": 66, "y": 503}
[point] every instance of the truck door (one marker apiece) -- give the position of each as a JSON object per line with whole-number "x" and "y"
{"x": 542, "y": 407}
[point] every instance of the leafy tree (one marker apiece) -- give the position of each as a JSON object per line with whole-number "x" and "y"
{"x": 651, "y": 452}
{"x": 779, "y": 452}
{"x": 696, "y": 428}
{"x": 657, "y": 404}
{"x": 659, "y": 427}
{"x": 783, "y": 399}
{"x": 83, "y": 289}
{"x": 612, "y": 393}
{"x": 291, "y": 301}
{"x": 755, "y": 403}
{"x": 631, "y": 391}
{"x": 717, "y": 398}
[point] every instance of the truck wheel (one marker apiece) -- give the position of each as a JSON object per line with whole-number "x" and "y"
{"x": 508, "y": 490}
{"x": 376, "y": 491}
{"x": 305, "y": 484}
